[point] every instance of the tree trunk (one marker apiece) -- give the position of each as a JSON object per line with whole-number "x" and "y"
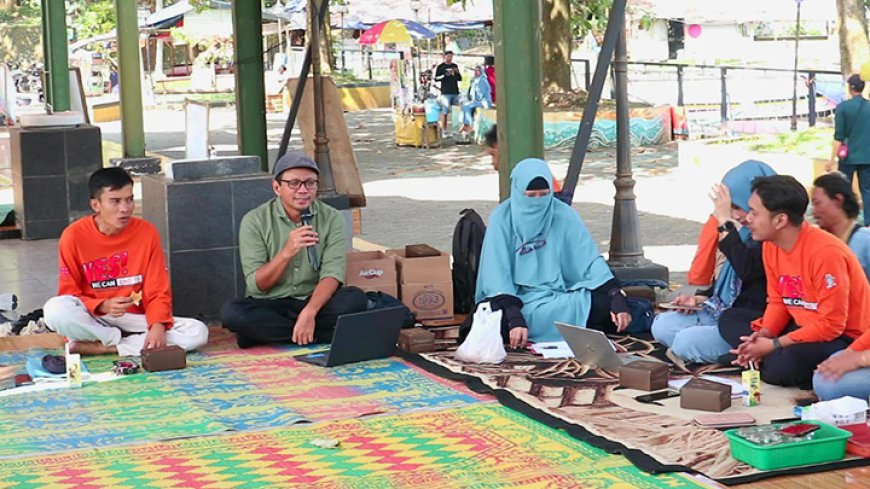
{"x": 556, "y": 45}
{"x": 852, "y": 28}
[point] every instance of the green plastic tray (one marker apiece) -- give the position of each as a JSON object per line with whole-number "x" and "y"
{"x": 828, "y": 445}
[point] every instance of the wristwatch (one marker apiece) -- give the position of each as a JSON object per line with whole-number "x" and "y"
{"x": 776, "y": 344}
{"x": 727, "y": 227}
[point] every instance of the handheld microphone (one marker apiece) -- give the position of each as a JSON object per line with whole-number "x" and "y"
{"x": 312, "y": 250}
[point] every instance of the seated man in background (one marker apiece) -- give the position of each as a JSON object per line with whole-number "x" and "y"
{"x": 490, "y": 140}
{"x": 818, "y": 296}
{"x": 290, "y": 299}
{"x": 113, "y": 290}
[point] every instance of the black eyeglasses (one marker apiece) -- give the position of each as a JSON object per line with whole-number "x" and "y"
{"x": 295, "y": 184}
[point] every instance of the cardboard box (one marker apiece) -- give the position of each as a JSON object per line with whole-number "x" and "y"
{"x": 423, "y": 270}
{"x": 372, "y": 271}
{"x": 425, "y": 284}
{"x": 705, "y": 395}
{"x": 429, "y": 301}
{"x": 416, "y": 340}
{"x": 644, "y": 375}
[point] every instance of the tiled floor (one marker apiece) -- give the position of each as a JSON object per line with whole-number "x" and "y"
{"x": 29, "y": 269}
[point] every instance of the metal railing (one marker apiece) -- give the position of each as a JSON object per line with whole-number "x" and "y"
{"x": 678, "y": 74}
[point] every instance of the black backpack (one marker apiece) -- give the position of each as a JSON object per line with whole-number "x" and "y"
{"x": 467, "y": 242}
{"x": 379, "y": 300}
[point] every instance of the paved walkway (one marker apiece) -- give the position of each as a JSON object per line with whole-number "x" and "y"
{"x": 415, "y": 195}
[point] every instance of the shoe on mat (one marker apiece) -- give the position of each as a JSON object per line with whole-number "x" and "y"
{"x": 8, "y": 302}
{"x": 25, "y": 319}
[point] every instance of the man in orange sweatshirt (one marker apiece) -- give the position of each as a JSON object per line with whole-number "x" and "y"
{"x": 817, "y": 294}
{"x": 113, "y": 287}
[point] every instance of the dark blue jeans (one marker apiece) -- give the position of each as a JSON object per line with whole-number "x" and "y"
{"x": 863, "y": 184}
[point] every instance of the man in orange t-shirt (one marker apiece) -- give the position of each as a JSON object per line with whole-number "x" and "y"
{"x": 113, "y": 286}
{"x": 817, "y": 293}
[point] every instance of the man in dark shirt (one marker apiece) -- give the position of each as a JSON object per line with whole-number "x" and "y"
{"x": 447, "y": 73}
{"x": 852, "y": 128}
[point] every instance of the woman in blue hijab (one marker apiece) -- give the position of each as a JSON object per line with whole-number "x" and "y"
{"x": 694, "y": 335}
{"x": 538, "y": 249}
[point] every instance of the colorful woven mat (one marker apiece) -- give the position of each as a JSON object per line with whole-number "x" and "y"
{"x": 235, "y": 390}
{"x": 482, "y": 446}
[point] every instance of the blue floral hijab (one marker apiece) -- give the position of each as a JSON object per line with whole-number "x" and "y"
{"x": 739, "y": 182}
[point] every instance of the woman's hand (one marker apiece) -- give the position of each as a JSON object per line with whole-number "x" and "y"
{"x": 518, "y": 337}
{"x": 721, "y": 197}
{"x": 692, "y": 302}
{"x": 621, "y": 320}
{"x": 841, "y": 363}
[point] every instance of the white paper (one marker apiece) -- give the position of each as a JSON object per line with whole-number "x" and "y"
{"x": 553, "y": 349}
{"x": 736, "y": 387}
{"x": 62, "y": 384}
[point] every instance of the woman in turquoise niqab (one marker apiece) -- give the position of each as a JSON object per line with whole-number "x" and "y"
{"x": 538, "y": 249}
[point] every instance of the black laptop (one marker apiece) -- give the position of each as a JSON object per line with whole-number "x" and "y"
{"x": 359, "y": 337}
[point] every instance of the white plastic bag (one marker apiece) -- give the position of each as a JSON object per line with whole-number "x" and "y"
{"x": 484, "y": 343}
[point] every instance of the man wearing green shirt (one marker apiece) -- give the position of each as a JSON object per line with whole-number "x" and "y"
{"x": 852, "y": 128}
{"x": 289, "y": 298}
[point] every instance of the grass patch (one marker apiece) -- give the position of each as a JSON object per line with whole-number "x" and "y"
{"x": 814, "y": 142}
{"x": 228, "y": 97}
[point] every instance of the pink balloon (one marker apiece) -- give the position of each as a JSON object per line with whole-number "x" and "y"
{"x": 694, "y": 30}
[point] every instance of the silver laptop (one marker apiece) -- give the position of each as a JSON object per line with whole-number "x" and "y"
{"x": 593, "y": 348}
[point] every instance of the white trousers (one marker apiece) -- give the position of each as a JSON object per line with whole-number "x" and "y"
{"x": 68, "y": 316}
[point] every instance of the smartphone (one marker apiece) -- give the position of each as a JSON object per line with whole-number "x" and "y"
{"x": 668, "y": 305}
{"x": 799, "y": 429}
{"x": 657, "y": 396}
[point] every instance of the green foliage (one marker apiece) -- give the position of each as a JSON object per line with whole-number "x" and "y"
{"x": 589, "y": 16}
{"x": 92, "y": 17}
{"x": 814, "y": 142}
{"x": 25, "y": 14}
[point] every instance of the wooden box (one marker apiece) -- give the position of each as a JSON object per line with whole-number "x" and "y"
{"x": 416, "y": 340}
{"x": 170, "y": 357}
{"x": 705, "y": 395}
{"x": 644, "y": 375}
